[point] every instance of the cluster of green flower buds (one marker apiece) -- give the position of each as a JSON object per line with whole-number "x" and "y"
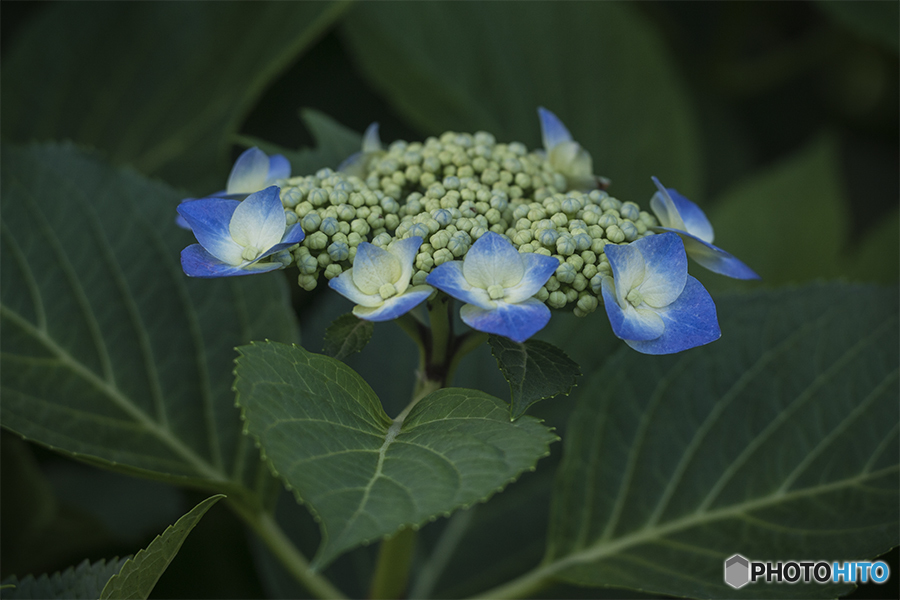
{"x": 450, "y": 191}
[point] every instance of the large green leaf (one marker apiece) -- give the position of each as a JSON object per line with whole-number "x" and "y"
{"x": 84, "y": 582}
{"x": 779, "y": 441}
{"x": 599, "y": 66}
{"x": 109, "y": 352}
{"x": 789, "y": 222}
{"x": 161, "y": 86}
{"x": 872, "y": 20}
{"x": 322, "y": 428}
{"x": 139, "y": 575}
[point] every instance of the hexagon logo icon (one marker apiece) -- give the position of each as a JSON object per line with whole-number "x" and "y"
{"x": 737, "y": 571}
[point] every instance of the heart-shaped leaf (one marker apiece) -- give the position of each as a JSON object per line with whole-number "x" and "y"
{"x": 364, "y": 476}
{"x": 534, "y": 369}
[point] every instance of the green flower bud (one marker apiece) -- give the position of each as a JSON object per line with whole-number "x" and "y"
{"x": 303, "y": 209}
{"x": 543, "y": 251}
{"x": 556, "y": 300}
{"x": 610, "y": 203}
{"x": 317, "y": 197}
{"x": 629, "y": 230}
{"x": 552, "y": 283}
{"x": 431, "y": 164}
{"x": 290, "y": 197}
{"x": 424, "y": 261}
{"x": 580, "y": 282}
{"x": 345, "y": 212}
{"x": 338, "y": 251}
{"x": 360, "y": 227}
{"x": 427, "y": 179}
{"x": 589, "y": 257}
{"x": 542, "y": 294}
{"x": 324, "y": 260}
{"x": 571, "y": 295}
{"x": 576, "y": 261}
{"x": 419, "y": 277}
{"x": 565, "y": 245}
{"x": 338, "y": 197}
{"x": 583, "y": 242}
{"x": 614, "y": 234}
{"x": 607, "y": 220}
{"x": 332, "y": 271}
{"x": 310, "y": 222}
{"x": 441, "y": 256}
{"x": 589, "y": 271}
{"x": 329, "y": 226}
{"x": 290, "y": 217}
{"x": 440, "y": 239}
{"x": 307, "y": 264}
{"x": 308, "y": 282}
{"x": 526, "y": 248}
{"x": 459, "y": 244}
{"x": 565, "y": 273}
{"x": 630, "y": 211}
{"x": 316, "y": 241}
{"x": 587, "y": 303}
{"x": 597, "y": 245}
{"x": 382, "y": 240}
{"x": 522, "y": 237}
{"x": 478, "y": 231}
{"x": 391, "y": 221}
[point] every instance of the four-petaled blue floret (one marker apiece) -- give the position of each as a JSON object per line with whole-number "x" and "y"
{"x": 252, "y": 171}
{"x": 679, "y": 215}
{"x": 651, "y": 301}
{"x": 378, "y": 281}
{"x": 498, "y": 283}
{"x": 236, "y": 236}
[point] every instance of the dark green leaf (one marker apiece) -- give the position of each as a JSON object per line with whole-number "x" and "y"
{"x": 109, "y": 352}
{"x": 85, "y": 582}
{"x": 874, "y": 21}
{"x": 599, "y": 66}
{"x": 789, "y": 223}
{"x": 779, "y": 441}
{"x": 535, "y": 370}
{"x": 322, "y": 428}
{"x": 160, "y": 86}
{"x": 334, "y": 143}
{"x": 877, "y": 257}
{"x": 140, "y": 574}
{"x": 347, "y": 335}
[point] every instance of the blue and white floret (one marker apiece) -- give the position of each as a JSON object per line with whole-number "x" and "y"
{"x": 379, "y": 280}
{"x": 652, "y": 303}
{"x": 679, "y": 215}
{"x": 237, "y": 236}
{"x": 498, "y": 285}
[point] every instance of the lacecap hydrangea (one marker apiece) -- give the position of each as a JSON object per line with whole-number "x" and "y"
{"x": 447, "y": 193}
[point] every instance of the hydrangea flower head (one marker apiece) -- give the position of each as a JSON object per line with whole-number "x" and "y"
{"x": 357, "y": 164}
{"x": 235, "y": 236}
{"x": 565, "y": 154}
{"x": 378, "y": 282}
{"x": 498, "y": 283}
{"x": 651, "y": 301}
{"x": 679, "y": 215}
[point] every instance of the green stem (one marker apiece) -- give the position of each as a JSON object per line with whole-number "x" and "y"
{"x": 265, "y": 526}
{"x": 392, "y": 570}
{"x": 441, "y": 329}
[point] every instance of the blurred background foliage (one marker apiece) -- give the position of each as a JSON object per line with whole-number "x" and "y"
{"x": 780, "y": 119}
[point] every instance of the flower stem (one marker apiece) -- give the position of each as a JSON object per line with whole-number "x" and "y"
{"x": 265, "y": 526}
{"x": 394, "y": 560}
